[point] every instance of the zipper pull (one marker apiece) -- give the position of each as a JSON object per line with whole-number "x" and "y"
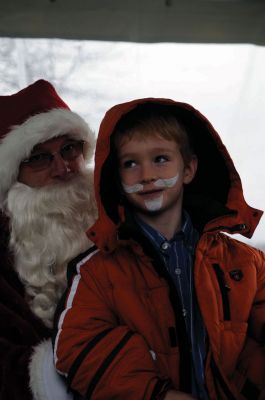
{"x": 238, "y": 228}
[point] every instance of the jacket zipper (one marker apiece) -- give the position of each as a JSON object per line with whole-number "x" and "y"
{"x": 224, "y": 289}
{"x": 232, "y": 229}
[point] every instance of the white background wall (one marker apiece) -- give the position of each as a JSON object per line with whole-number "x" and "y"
{"x": 225, "y": 82}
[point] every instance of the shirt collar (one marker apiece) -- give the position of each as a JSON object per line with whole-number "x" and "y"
{"x": 187, "y": 233}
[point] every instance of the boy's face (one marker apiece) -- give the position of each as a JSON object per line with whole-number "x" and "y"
{"x": 153, "y": 173}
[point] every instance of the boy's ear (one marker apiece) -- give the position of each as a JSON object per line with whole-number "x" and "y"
{"x": 190, "y": 169}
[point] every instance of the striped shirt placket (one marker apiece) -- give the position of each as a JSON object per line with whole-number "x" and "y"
{"x": 178, "y": 256}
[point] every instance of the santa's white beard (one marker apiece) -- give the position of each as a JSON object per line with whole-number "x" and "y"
{"x": 48, "y": 227}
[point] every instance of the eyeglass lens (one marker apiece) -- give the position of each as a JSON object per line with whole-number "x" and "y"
{"x": 68, "y": 152}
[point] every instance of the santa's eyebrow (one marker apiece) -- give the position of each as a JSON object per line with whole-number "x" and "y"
{"x": 38, "y": 148}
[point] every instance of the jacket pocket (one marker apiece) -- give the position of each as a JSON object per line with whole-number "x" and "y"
{"x": 168, "y": 365}
{"x": 232, "y": 339}
{"x": 249, "y": 376}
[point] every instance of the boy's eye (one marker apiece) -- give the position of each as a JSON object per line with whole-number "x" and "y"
{"x": 161, "y": 159}
{"x": 129, "y": 164}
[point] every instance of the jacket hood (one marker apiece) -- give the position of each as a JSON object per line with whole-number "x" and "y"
{"x": 214, "y": 198}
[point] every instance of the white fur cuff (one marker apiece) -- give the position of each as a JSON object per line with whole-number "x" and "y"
{"x": 45, "y": 383}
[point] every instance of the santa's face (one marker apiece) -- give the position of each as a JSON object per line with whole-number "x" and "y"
{"x": 57, "y": 160}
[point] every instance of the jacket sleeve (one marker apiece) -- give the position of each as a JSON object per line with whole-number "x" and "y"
{"x": 250, "y": 373}
{"x": 255, "y": 346}
{"x": 25, "y": 355}
{"x": 257, "y": 316}
{"x": 25, "y": 348}
{"x": 14, "y": 382}
{"x": 24, "y": 343}
{"x": 17, "y": 334}
{"x": 101, "y": 358}
{"x": 14, "y": 354}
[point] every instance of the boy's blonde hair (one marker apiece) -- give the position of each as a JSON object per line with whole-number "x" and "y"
{"x": 158, "y": 121}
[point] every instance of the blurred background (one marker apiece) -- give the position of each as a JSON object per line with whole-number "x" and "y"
{"x": 209, "y": 53}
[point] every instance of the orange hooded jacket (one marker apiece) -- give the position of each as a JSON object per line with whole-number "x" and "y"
{"x": 120, "y": 334}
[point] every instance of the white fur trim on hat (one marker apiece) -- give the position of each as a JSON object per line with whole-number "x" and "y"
{"x": 20, "y": 140}
{"x": 45, "y": 383}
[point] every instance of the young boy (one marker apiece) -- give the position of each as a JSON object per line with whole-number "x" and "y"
{"x": 166, "y": 306}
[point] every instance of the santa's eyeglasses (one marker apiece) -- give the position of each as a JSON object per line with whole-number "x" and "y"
{"x": 69, "y": 152}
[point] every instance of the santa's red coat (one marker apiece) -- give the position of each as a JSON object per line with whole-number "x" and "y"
{"x": 21, "y": 331}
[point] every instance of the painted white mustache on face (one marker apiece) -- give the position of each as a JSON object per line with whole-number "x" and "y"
{"x": 164, "y": 183}
{"x": 160, "y": 183}
{"x": 152, "y": 204}
{"x": 138, "y": 187}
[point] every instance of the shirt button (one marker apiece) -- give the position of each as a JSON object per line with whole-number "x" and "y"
{"x": 165, "y": 246}
{"x": 184, "y": 312}
{"x": 177, "y": 271}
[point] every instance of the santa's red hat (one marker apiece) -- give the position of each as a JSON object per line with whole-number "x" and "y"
{"x": 31, "y": 116}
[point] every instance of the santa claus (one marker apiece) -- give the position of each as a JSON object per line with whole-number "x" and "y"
{"x": 46, "y": 206}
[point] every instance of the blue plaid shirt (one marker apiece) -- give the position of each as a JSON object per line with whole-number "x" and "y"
{"x": 178, "y": 256}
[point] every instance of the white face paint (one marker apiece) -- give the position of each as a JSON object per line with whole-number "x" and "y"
{"x": 161, "y": 183}
{"x": 164, "y": 183}
{"x": 155, "y": 204}
{"x": 133, "y": 188}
